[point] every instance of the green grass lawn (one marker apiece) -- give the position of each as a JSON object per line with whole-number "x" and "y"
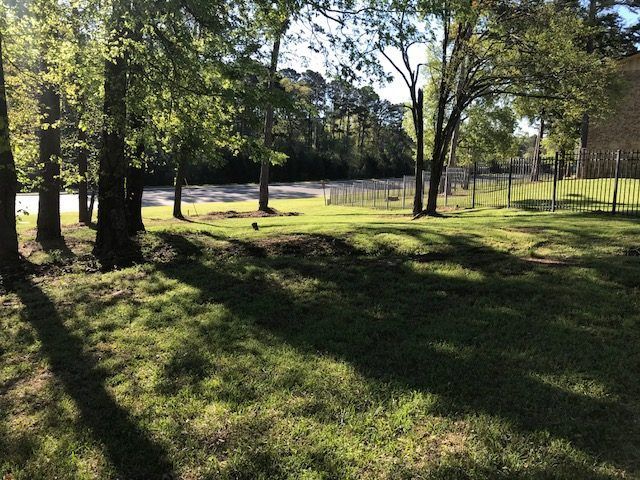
{"x": 571, "y": 194}
{"x": 340, "y": 343}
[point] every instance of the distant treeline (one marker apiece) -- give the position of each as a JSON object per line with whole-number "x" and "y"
{"x": 326, "y": 129}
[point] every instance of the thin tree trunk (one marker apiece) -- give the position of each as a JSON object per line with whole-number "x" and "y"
{"x": 453, "y": 159}
{"x": 418, "y": 119}
{"x": 537, "y": 153}
{"x": 133, "y": 200}
{"x": 8, "y": 180}
{"x": 83, "y": 190}
{"x": 263, "y": 203}
{"x": 591, "y": 20}
{"x": 438, "y": 154}
{"x": 50, "y": 156}
{"x": 112, "y": 239}
{"x": 584, "y": 132}
{"x": 177, "y": 196}
{"x": 92, "y": 202}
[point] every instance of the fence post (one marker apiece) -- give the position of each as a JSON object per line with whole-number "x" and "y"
{"x": 615, "y": 183}
{"x": 473, "y": 195}
{"x": 510, "y": 182}
{"x": 386, "y": 192}
{"x": 555, "y": 183}
{"x": 375, "y": 192}
{"x": 404, "y": 191}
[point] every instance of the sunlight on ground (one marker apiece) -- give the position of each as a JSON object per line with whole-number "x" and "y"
{"x": 340, "y": 343}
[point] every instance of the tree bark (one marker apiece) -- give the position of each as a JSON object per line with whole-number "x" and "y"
{"x": 8, "y": 180}
{"x": 584, "y": 132}
{"x": 133, "y": 200}
{"x": 263, "y": 203}
{"x": 82, "y": 156}
{"x": 453, "y": 159}
{"x": 590, "y": 47}
{"x": 48, "y": 225}
{"x": 177, "y": 195}
{"x": 112, "y": 239}
{"x": 537, "y": 153}
{"x": 418, "y": 119}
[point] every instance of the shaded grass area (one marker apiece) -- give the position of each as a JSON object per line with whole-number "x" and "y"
{"x": 341, "y": 343}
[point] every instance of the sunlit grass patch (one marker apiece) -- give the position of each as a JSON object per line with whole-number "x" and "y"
{"x": 341, "y": 343}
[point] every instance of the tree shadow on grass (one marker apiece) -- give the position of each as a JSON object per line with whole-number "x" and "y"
{"x": 517, "y": 336}
{"x": 132, "y": 454}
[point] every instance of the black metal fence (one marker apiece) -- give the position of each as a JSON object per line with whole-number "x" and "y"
{"x": 582, "y": 181}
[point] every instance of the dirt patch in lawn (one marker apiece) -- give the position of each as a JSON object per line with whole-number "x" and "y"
{"x": 256, "y": 214}
{"x": 290, "y": 245}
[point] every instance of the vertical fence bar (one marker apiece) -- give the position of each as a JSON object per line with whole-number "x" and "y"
{"x": 404, "y": 191}
{"x": 473, "y": 194}
{"x": 615, "y": 183}
{"x": 386, "y": 192}
{"x": 555, "y": 184}
{"x": 510, "y": 183}
{"x": 374, "y": 191}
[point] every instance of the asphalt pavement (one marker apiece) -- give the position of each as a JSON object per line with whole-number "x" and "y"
{"x": 191, "y": 195}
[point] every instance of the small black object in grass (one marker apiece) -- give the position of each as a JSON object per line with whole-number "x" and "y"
{"x": 255, "y": 226}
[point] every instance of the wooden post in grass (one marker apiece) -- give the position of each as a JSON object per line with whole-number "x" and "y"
{"x": 615, "y": 183}
{"x": 555, "y": 183}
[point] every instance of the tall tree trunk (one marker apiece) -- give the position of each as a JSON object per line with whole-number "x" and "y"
{"x": 112, "y": 239}
{"x": 263, "y": 203}
{"x": 177, "y": 196}
{"x": 135, "y": 164}
{"x": 50, "y": 156}
{"x": 584, "y": 131}
{"x": 92, "y": 202}
{"x": 82, "y": 156}
{"x": 537, "y": 153}
{"x": 438, "y": 153}
{"x": 133, "y": 199}
{"x": 8, "y": 180}
{"x": 453, "y": 159}
{"x": 590, "y": 47}
{"x": 418, "y": 120}
{"x": 456, "y": 131}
